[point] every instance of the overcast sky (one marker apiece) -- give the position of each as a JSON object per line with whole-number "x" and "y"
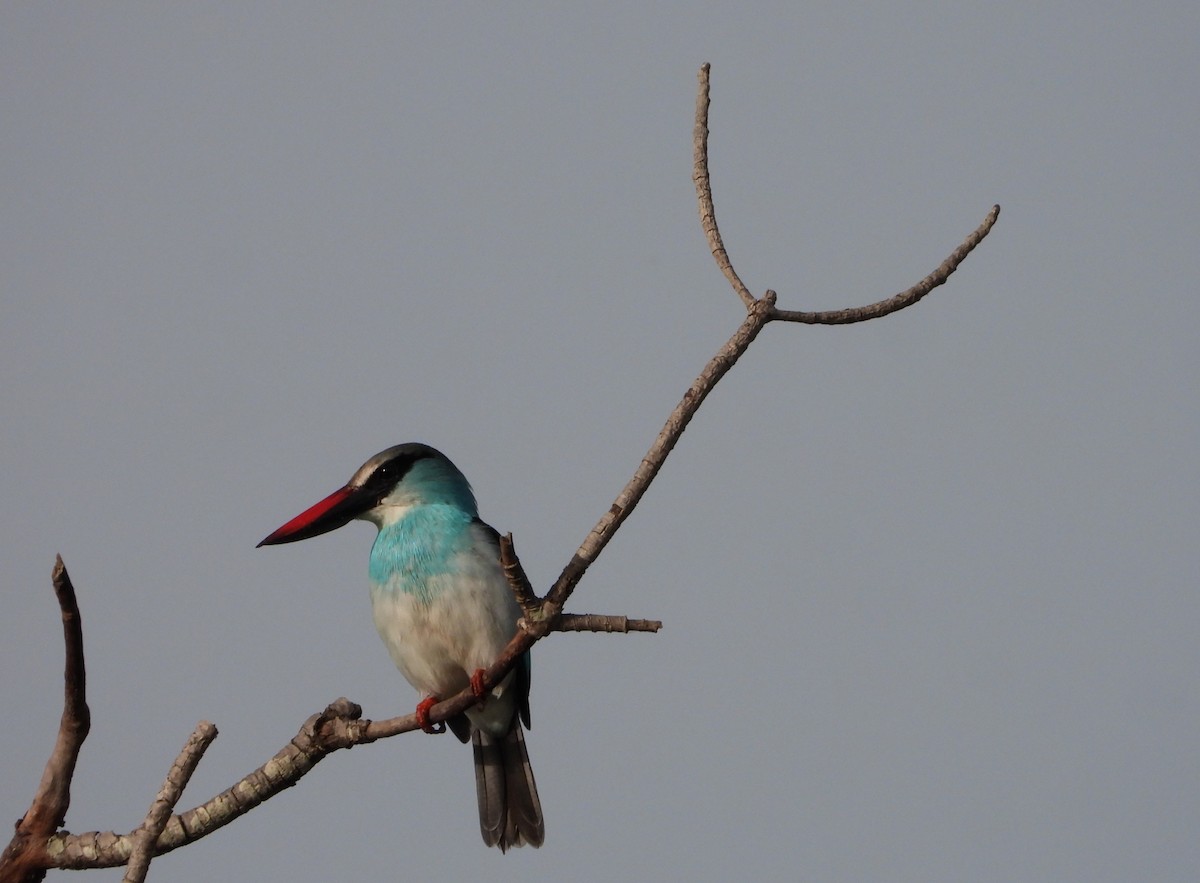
{"x": 928, "y": 583}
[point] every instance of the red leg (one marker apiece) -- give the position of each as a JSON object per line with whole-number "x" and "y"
{"x": 423, "y": 715}
{"x": 477, "y": 688}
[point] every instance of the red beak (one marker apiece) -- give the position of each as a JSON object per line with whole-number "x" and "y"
{"x": 337, "y": 509}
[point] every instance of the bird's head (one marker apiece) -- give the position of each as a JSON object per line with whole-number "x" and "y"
{"x": 382, "y": 490}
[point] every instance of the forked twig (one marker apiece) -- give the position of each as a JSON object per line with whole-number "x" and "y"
{"x": 535, "y": 621}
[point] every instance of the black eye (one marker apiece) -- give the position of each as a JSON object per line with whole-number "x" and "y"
{"x": 389, "y": 474}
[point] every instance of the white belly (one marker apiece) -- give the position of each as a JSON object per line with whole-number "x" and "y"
{"x": 438, "y": 644}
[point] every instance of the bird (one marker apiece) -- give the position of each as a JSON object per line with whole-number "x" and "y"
{"x": 445, "y": 611}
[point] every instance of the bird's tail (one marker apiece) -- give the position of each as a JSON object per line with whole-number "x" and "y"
{"x": 510, "y": 813}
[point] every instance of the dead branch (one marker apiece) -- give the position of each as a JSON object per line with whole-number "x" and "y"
{"x": 24, "y": 859}
{"x": 35, "y": 845}
{"x": 758, "y": 313}
{"x": 339, "y": 726}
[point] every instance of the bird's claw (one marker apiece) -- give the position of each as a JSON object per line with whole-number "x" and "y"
{"x": 477, "y": 688}
{"x": 423, "y": 716}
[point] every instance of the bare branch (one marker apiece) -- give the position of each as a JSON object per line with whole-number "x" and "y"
{"x": 708, "y": 212}
{"x": 145, "y": 838}
{"x": 668, "y": 436}
{"x": 341, "y": 724}
{"x": 310, "y": 745}
{"x": 904, "y": 298}
{"x": 25, "y": 856}
{"x": 760, "y": 312}
{"x": 595, "y": 622}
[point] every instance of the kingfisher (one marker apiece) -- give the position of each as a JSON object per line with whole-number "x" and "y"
{"x": 445, "y": 611}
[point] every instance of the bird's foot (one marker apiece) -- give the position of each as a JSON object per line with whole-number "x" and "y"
{"x": 477, "y": 688}
{"x": 423, "y": 715}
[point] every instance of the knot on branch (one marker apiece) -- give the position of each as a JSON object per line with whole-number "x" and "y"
{"x": 342, "y": 708}
{"x": 540, "y": 622}
{"x": 336, "y": 726}
{"x": 765, "y": 305}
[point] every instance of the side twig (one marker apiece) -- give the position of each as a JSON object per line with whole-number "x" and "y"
{"x": 906, "y": 298}
{"x": 145, "y": 837}
{"x": 594, "y": 622}
{"x": 535, "y": 620}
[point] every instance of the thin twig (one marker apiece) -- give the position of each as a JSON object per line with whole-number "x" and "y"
{"x": 145, "y": 837}
{"x": 518, "y": 580}
{"x": 708, "y": 212}
{"x": 903, "y": 299}
{"x": 668, "y": 436}
{"x": 595, "y": 622}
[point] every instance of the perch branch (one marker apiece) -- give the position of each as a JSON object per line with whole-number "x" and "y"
{"x": 339, "y": 726}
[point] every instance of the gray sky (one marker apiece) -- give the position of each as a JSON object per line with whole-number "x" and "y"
{"x": 929, "y": 583}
